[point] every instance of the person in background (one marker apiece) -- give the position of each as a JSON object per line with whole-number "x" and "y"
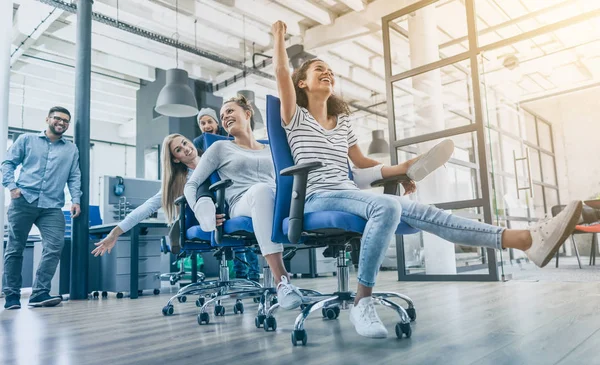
{"x": 48, "y": 162}
{"x": 209, "y": 123}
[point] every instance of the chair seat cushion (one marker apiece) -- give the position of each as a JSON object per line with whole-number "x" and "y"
{"x": 239, "y": 225}
{"x": 594, "y": 228}
{"x": 197, "y": 246}
{"x": 329, "y": 221}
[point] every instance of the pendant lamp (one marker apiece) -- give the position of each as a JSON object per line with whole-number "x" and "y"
{"x": 256, "y": 122}
{"x": 176, "y": 99}
{"x": 379, "y": 146}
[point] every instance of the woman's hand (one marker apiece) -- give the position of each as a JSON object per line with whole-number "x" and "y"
{"x": 409, "y": 187}
{"x": 220, "y": 219}
{"x": 105, "y": 245}
{"x": 279, "y": 27}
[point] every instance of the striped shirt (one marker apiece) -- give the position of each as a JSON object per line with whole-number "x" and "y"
{"x": 309, "y": 141}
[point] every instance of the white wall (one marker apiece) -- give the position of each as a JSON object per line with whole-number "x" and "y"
{"x": 576, "y": 125}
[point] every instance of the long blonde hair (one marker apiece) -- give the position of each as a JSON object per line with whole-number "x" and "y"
{"x": 174, "y": 177}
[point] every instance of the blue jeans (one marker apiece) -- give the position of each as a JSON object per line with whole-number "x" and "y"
{"x": 383, "y": 214}
{"x": 51, "y": 223}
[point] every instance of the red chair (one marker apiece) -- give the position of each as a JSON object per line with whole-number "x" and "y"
{"x": 591, "y": 224}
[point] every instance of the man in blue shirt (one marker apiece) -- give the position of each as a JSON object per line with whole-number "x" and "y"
{"x": 48, "y": 162}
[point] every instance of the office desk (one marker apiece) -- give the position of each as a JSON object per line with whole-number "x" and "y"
{"x": 134, "y": 235}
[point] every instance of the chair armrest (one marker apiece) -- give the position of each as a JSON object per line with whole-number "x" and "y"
{"x": 296, "y": 217}
{"x": 302, "y": 168}
{"x": 180, "y": 200}
{"x": 223, "y": 184}
{"x": 219, "y": 190}
{"x": 390, "y": 184}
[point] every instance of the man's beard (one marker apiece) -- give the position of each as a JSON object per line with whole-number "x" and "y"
{"x": 55, "y": 132}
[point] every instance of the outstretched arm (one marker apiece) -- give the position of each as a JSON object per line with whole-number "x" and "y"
{"x": 285, "y": 86}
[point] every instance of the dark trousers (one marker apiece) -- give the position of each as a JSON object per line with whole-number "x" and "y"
{"x": 22, "y": 215}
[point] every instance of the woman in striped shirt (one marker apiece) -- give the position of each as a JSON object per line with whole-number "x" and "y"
{"x": 318, "y": 128}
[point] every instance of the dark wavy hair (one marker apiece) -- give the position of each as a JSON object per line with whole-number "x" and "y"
{"x": 335, "y": 105}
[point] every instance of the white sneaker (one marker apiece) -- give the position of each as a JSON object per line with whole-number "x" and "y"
{"x": 288, "y": 296}
{"x": 549, "y": 234}
{"x": 365, "y": 319}
{"x": 431, "y": 160}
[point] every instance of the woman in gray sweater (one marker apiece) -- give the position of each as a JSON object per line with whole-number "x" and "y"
{"x": 248, "y": 164}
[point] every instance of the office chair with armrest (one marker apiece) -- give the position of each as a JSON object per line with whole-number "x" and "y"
{"x": 238, "y": 229}
{"x": 338, "y": 230}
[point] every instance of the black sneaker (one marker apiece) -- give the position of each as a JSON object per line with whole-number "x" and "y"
{"x": 44, "y": 300}
{"x": 13, "y": 302}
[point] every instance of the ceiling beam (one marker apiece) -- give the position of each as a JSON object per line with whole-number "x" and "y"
{"x": 31, "y": 21}
{"x": 352, "y": 25}
{"x": 309, "y": 10}
{"x": 145, "y": 14}
{"x": 66, "y": 77}
{"x": 356, "y": 5}
{"x": 101, "y": 61}
{"x": 270, "y": 12}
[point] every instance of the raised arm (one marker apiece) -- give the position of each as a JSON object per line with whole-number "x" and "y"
{"x": 285, "y": 86}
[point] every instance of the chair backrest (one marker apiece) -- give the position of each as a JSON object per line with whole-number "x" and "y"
{"x": 282, "y": 158}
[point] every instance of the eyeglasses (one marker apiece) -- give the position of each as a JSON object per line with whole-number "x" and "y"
{"x": 59, "y": 119}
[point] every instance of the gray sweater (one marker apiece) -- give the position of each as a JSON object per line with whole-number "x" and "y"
{"x": 242, "y": 166}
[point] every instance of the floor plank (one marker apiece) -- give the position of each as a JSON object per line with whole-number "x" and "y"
{"x": 517, "y": 322}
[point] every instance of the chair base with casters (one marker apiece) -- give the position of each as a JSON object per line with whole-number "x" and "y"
{"x": 268, "y": 304}
{"x": 332, "y": 304}
{"x": 174, "y": 277}
{"x": 216, "y": 289}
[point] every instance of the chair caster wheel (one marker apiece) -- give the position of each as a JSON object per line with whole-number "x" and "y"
{"x": 238, "y": 308}
{"x": 403, "y": 328}
{"x": 167, "y": 310}
{"x": 119, "y": 295}
{"x": 156, "y": 291}
{"x": 259, "y": 320}
{"x": 219, "y": 310}
{"x": 270, "y": 324}
{"x": 104, "y": 294}
{"x": 95, "y": 294}
{"x": 331, "y": 313}
{"x": 412, "y": 314}
{"x": 182, "y": 299}
{"x": 199, "y": 302}
{"x": 299, "y": 336}
{"x": 203, "y": 318}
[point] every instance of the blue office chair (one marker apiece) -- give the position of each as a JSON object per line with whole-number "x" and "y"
{"x": 340, "y": 231}
{"x": 235, "y": 234}
{"x": 241, "y": 229}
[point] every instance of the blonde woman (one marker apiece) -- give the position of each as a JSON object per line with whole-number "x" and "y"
{"x": 179, "y": 159}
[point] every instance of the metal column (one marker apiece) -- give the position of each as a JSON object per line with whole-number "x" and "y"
{"x": 81, "y": 229}
{"x": 6, "y": 22}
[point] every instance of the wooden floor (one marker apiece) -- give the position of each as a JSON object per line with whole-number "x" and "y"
{"x": 458, "y": 323}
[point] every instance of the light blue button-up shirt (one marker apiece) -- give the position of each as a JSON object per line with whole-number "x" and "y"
{"x": 46, "y": 168}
